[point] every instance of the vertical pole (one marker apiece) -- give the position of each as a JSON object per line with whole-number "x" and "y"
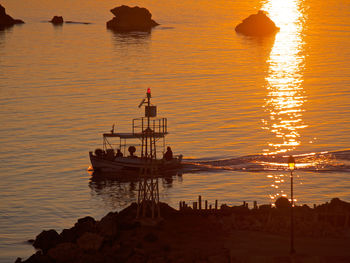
{"x": 138, "y": 203}
{"x": 143, "y": 138}
{"x": 144, "y": 196}
{"x": 199, "y": 202}
{"x": 292, "y": 250}
{"x": 152, "y": 193}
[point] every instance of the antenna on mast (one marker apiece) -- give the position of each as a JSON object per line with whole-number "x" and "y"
{"x": 148, "y": 96}
{"x": 142, "y": 102}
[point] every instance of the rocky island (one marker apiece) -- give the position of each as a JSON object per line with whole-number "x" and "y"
{"x": 198, "y": 234}
{"x": 57, "y": 20}
{"x": 257, "y": 25}
{"x": 6, "y": 20}
{"x": 129, "y": 19}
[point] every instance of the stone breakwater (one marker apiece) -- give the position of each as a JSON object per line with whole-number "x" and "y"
{"x": 226, "y": 234}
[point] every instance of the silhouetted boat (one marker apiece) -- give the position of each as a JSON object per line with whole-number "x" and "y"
{"x": 148, "y": 131}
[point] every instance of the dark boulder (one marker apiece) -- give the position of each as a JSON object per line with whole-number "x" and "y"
{"x": 167, "y": 211}
{"x": 257, "y": 25}
{"x": 337, "y": 204}
{"x": 108, "y": 225}
{"x": 90, "y": 242}
{"x": 69, "y": 235}
{"x": 282, "y": 203}
{"x": 47, "y": 239}
{"x": 6, "y": 20}
{"x": 131, "y": 19}
{"x": 65, "y": 253}
{"x": 86, "y": 224}
{"x": 38, "y": 257}
{"x": 57, "y": 20}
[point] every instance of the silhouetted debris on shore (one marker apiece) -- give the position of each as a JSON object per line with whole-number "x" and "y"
{"x": 131, "y": 19}
{"x": 257, "y": 25}
{"x": 193, "y": 235}
{"x": 6, "y": 20}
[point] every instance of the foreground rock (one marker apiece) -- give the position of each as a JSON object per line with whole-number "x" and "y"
{"x": 131, "y": 19}
{"x": 229, "y": 234}
{"x": 6, "y": 20}
{"x": 257, "y": 25}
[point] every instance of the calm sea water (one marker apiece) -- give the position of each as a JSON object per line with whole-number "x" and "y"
{"x": 226, "y": 96}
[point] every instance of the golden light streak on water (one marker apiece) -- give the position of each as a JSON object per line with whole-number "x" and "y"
{"x": 285, "y": 94}
{"x": 285, "y": 97}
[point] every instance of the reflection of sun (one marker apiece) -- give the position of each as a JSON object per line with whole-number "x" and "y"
{"x": 285, "y": 97}
{"x": 285, "y": 94}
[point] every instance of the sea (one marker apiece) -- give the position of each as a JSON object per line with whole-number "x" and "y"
{"x": 236, "y": 106}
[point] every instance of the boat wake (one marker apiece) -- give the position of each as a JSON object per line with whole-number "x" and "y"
{"x": 338, "y": 161}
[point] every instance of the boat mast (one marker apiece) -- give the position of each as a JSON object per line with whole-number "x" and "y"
{"x": 148, "y": 129}
{"x": 148, "y": 194}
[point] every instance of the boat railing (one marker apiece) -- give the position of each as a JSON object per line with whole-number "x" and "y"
{"x": 157, "y": 125}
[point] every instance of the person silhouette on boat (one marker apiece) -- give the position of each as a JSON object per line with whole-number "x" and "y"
{"x": 119, "y": 153}
{"x": 168, "y": 154}
{"x": 132, "y": 150}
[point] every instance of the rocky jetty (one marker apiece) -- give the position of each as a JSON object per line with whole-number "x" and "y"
{"x": 228, "y": 234}
{"x": 257, "y": 25}
{"x": 131, "y": 19}
{"x": 6, "y": 20}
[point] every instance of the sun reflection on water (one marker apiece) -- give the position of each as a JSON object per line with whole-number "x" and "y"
{"x": 285, "y": 93}
{"x": 285, "y": 97}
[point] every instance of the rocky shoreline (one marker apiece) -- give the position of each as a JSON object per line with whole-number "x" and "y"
{"x": 228, "y": 234}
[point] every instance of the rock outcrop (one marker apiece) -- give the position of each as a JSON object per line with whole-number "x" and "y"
{"x": 131, "y": 19}
{"x": 57, "y": 20}
{"x": 6, "y": 20}
{"x": 257, "y": 25}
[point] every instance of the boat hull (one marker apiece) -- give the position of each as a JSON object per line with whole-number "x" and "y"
{"x": 131, "y": 164}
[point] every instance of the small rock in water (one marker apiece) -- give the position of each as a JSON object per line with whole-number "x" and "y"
{"x": 131, "y": 19}
{"x": 57, "y": 20}
{"x": 257, "y": 25}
